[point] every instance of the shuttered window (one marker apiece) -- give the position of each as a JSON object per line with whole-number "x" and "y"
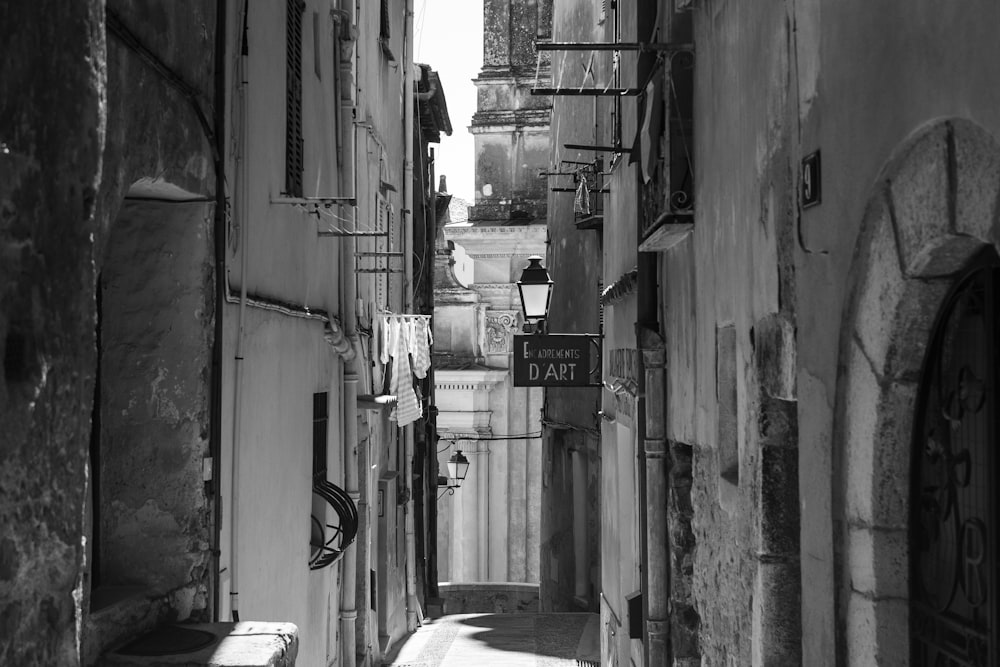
{"x": 321, "y": 418}
{"x": 294, "y": 144}
{"x": 384, "y": 25}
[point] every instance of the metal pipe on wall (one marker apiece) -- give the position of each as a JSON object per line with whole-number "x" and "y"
{"x": 346, "y": 174}
{"x": 408, "y": 101}
{"x": 348, "y": 590}
{"x": 242, "y": 185}
{"x": 219, "y": 232}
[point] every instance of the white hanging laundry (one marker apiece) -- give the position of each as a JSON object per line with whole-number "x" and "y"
{"x": 408, "y": 408}
{"x": 581, "y": 201}
{"x": 390, "y": 331}
{"x": 421, "y": 346}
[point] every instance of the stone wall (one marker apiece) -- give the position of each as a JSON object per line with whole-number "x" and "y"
{"x": 489, "y": 598}
{"x": 51, "y": 136}
{"x": 83, "y": 120}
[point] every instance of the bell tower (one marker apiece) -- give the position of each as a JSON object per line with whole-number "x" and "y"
{"x": 511, "y": 126}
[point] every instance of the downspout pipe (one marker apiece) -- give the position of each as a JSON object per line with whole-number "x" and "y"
{"x": 353, "y": 367}
{"x": 243, "y": 217}
{"x": 408, "y": 101}
{"x": 348, "y": 589}
{"x": 218, "y": 233}
{"x": 652, "y": 454}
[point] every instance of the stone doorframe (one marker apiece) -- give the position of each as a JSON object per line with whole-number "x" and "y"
{"x": 934, "y": 207}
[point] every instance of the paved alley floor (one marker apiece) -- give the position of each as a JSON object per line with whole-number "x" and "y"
{"x": 502, "y": 640}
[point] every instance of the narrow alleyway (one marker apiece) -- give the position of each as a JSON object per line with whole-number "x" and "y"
{"x": 502, "y": 640}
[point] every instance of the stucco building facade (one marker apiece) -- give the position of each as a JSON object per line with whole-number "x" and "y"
{"x": 212, "y": 213}
{"x": 794, "y": 356}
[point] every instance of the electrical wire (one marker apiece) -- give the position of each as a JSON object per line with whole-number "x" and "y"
{"x": 518, "y": 436}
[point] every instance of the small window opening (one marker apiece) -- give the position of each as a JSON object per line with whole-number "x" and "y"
{"x": 321, "y": 421}
{"x": 294, "y": 144}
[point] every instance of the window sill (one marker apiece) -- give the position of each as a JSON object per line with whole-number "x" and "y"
{"x": 245, "y": 644}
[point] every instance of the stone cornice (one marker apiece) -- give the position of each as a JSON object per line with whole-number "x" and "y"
{"x": 524, "y": 120}
{"x": 468, "y": 379}
{"x": 499, "y": 230}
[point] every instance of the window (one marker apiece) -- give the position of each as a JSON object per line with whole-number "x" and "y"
{"x": 294, "y": 145}
{"x": 383, "y": 31}
{"x": 316, "y": 45}
{"x": 321, "y": 419}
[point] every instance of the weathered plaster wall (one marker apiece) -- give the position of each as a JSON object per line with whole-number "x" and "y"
{"x": 572, "y": 457}
{"x": 156, "y": 148}
{"x": 915, "y": 63}
{"x": 156, "y": 331}
{"x": 275, "y": 475}
{"x": 736, "y": 263}
{"x": 922, "y": 61}
{"x": 58, "y": 208}
{"x": 51, "y": 136}
{"x": 287, "y": 260}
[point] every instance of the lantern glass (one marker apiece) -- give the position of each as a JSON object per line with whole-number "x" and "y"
{"x": 535, "y": 288}
{"x": 458, "y": 467}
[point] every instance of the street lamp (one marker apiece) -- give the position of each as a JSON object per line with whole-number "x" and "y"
{"x": 535, "y": 288}
{"x": 458, "y": 468}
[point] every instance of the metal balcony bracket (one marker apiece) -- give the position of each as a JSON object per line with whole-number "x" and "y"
{"x": 325, "y": 550}
{"x": 667, "y": 231}
{"x": 602, "y": 149}
{"x": 667, "y": 47}
{"x": 591, "y": 92}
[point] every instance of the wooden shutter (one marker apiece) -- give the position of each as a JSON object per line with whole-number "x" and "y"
{"x": 294, "y": 143}
{"x": 384, "y": 24}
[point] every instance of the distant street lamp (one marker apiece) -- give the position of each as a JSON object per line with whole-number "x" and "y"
{"x": 535, "y": 287}
{"x": 458, "y": 468}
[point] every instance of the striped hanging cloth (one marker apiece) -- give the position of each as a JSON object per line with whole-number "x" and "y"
{"x": 408, "y": 408}
{"x": 421, "y": 346}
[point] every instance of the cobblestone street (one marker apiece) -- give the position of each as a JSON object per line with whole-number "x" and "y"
{"x": 502, "y": 640}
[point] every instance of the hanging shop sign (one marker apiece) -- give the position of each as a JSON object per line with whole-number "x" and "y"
{"x": 557, "y": 360}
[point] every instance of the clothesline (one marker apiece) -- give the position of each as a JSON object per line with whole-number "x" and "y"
{"x": 404, "y": 336}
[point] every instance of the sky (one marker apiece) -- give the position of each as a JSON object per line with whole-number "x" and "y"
{"x": 448, "y": 36}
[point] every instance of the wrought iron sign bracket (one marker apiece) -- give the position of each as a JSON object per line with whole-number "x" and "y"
{"x": 669, "y": 48}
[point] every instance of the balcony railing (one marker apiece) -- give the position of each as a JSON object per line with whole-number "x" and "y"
{"x": 667, "y": 199}
{"x": 329, "y": 541}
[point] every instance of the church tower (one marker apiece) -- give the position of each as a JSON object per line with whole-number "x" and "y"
{"x": 511, "y": 126}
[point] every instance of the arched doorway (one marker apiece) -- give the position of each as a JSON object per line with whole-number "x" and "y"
{"x": 150, "y": 515}
{"x": 953, "y": 530}
{"x": 932, "y": 211}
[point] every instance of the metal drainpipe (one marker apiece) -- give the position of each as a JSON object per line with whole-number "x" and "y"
{"x": 346, "y": 175}
{"x": 411, "y": 551}
{"x": 244, "y": 220}
{"x": 652, "y": 443}
{"x": 348, "y": 590}
{"x": 219, "y": 231}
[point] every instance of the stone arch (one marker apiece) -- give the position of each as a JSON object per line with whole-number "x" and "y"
{"x": 148, "y": 512}
{"x": 932, "y": 209}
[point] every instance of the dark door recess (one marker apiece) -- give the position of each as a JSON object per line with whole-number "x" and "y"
{"x": 953, "y": 548}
